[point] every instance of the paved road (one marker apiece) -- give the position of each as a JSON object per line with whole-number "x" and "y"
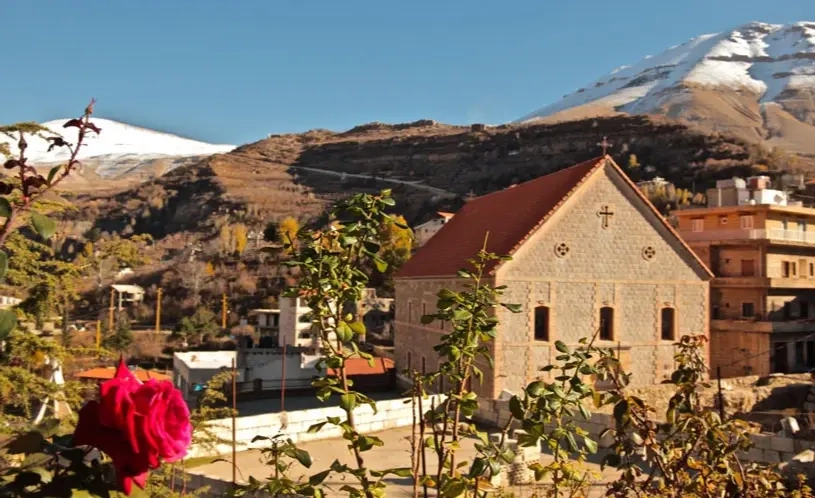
{"x": 395, "y": 453}
{"x": 415, "y": 183}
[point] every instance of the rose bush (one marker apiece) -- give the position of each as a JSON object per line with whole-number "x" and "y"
{"x": 138, "y": 425}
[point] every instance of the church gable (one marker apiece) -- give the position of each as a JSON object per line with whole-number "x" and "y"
{"x": 604, "y": 231}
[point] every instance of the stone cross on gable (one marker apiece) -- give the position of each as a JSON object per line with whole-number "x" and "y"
{"x": 605, "y": 213}
{"x": 604, "y": 144}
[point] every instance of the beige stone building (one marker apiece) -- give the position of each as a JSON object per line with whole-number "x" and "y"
{"x": 590, "y": 253}
{"x": 762, "y": 294}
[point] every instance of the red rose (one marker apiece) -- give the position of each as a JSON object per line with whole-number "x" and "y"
{"x": 137, "y": 425}
{"x": 163, "y": 420}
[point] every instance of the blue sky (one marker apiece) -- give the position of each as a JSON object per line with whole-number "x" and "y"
{"x": 234, "y": 71}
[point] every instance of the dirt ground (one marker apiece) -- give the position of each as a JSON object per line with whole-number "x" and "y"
{"x": 394, "y": 453}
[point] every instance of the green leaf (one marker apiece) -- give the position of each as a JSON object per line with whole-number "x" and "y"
{"x": 561, "y": 347}
{"x": 591, "y": 445}
{"x": 5, "y": 208}
{"x": 344, "y": 332}
{"x": 52, "y": 174}
{"x": 3, "y": 264}
{"x": 319, "y": 477}
{"x": 43, "y": 225}
{"x": 8, "y": 322}
{"x": 399, "y": 472}
{"x": 303, "y": 457}
{"x": 536, "y": 388}
{"x": 315, "y": 427}
{"x": 358, "y": 327}
{"x": 348, "y": 401}
{"x": 515, "y": 308}
{"x": 516, "y": 408}
{"x": 426, "y": 319}
{"x": 380, "y": 264}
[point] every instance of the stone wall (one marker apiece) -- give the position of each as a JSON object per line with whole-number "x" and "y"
{"x": 768, "y": 448}
{"x": 390, "y": 414}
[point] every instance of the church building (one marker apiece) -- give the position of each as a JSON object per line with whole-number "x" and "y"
{"x": 589, "y": 254}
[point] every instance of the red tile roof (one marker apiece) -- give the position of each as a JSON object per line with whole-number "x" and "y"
{"x": 508, "y": 215}
{"x": 360, "y": 366}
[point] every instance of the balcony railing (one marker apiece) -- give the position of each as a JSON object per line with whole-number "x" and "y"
{"x": 753, "y": 234}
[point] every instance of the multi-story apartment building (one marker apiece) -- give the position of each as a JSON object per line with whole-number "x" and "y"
{"x": 761, "y": 251}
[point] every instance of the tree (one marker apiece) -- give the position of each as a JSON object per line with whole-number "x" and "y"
{"x": 121, "y": 337}
{"x": 239, "y": 235}
{"x": 633, "y": 163}
{"x": 287, "y": 232}
{"x": 225, "y": 240}
{"x": 104, "y": 258}
{"x": 396, "y": 240}
{"x": 193, "y": 328}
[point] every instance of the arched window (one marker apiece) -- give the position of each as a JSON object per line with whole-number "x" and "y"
{"x": 667, "y": 325}
{"x": 542, "y": 323}
{"x": 607, "y": 324}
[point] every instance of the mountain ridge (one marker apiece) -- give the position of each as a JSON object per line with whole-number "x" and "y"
{"x": 754, "y": 81}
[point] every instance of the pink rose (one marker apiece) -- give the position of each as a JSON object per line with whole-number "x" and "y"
{"x": 137, "y": 425}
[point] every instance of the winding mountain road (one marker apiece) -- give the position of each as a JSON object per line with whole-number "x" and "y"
{"x": 416, "y": 183}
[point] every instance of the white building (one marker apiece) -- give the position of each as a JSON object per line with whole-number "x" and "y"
{"x": 9, "y": 302}
{"x": 128, "y": 294}
{"x": 257, "y": 369}
{"x": 424, "y": 232}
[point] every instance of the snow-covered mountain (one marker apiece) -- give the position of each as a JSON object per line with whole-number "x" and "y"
{"x": 120, "y": 149}
{"x": 756, "y": 80}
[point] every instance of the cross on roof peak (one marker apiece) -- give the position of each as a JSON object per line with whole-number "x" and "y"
{"x": 604, "y": 144}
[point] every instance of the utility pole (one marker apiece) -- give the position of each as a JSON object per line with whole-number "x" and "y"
{"x": 234, "y": 413}
{"x": 224, "y": 311}
{"x": 110, "y": 310}
{"x": 158, "y": 311}
{"x": 98, "y": 333}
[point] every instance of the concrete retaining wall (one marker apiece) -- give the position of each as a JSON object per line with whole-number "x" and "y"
{"x": 390, "y": 414}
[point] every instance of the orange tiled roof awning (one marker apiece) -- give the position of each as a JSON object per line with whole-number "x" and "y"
{"x": 107, "y": 373}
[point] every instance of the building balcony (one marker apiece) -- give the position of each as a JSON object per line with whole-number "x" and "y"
{"x": 764, "y": 282}
{"x": 774, "y": 236}
{"x": 763, "y": 326}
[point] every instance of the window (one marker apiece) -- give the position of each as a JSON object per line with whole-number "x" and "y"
{"x": 723, "y": 220}
{"x": 788, "y": 310}
{"x": 697, "y": 225}
{"x": 810, "y": 269}
{"x": 667, "y": 324}
{"x": 542, "y": 323}
{"x": 715, "y": 312}
{"x": 802, "y": 226}
{"x": 802, "y": 267}
{"x": 607, "y": 324}
{"x": 785, "y": 224}
{"x": 804, "y": 309}
{"x": 788, "y": 269}
{"x": 746, "y": 221}
{"x": 747, "y": 266}
{"x": 748, "y": 310}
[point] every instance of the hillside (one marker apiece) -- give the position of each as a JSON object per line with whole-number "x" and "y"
{"x": 755, "y": 82}
{"x": 430, "y": 166}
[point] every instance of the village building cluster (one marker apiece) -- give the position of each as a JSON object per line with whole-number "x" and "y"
{"x": 591, "y": 257}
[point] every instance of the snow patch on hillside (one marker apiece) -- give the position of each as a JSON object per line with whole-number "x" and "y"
{"x": 117, "y": 142}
